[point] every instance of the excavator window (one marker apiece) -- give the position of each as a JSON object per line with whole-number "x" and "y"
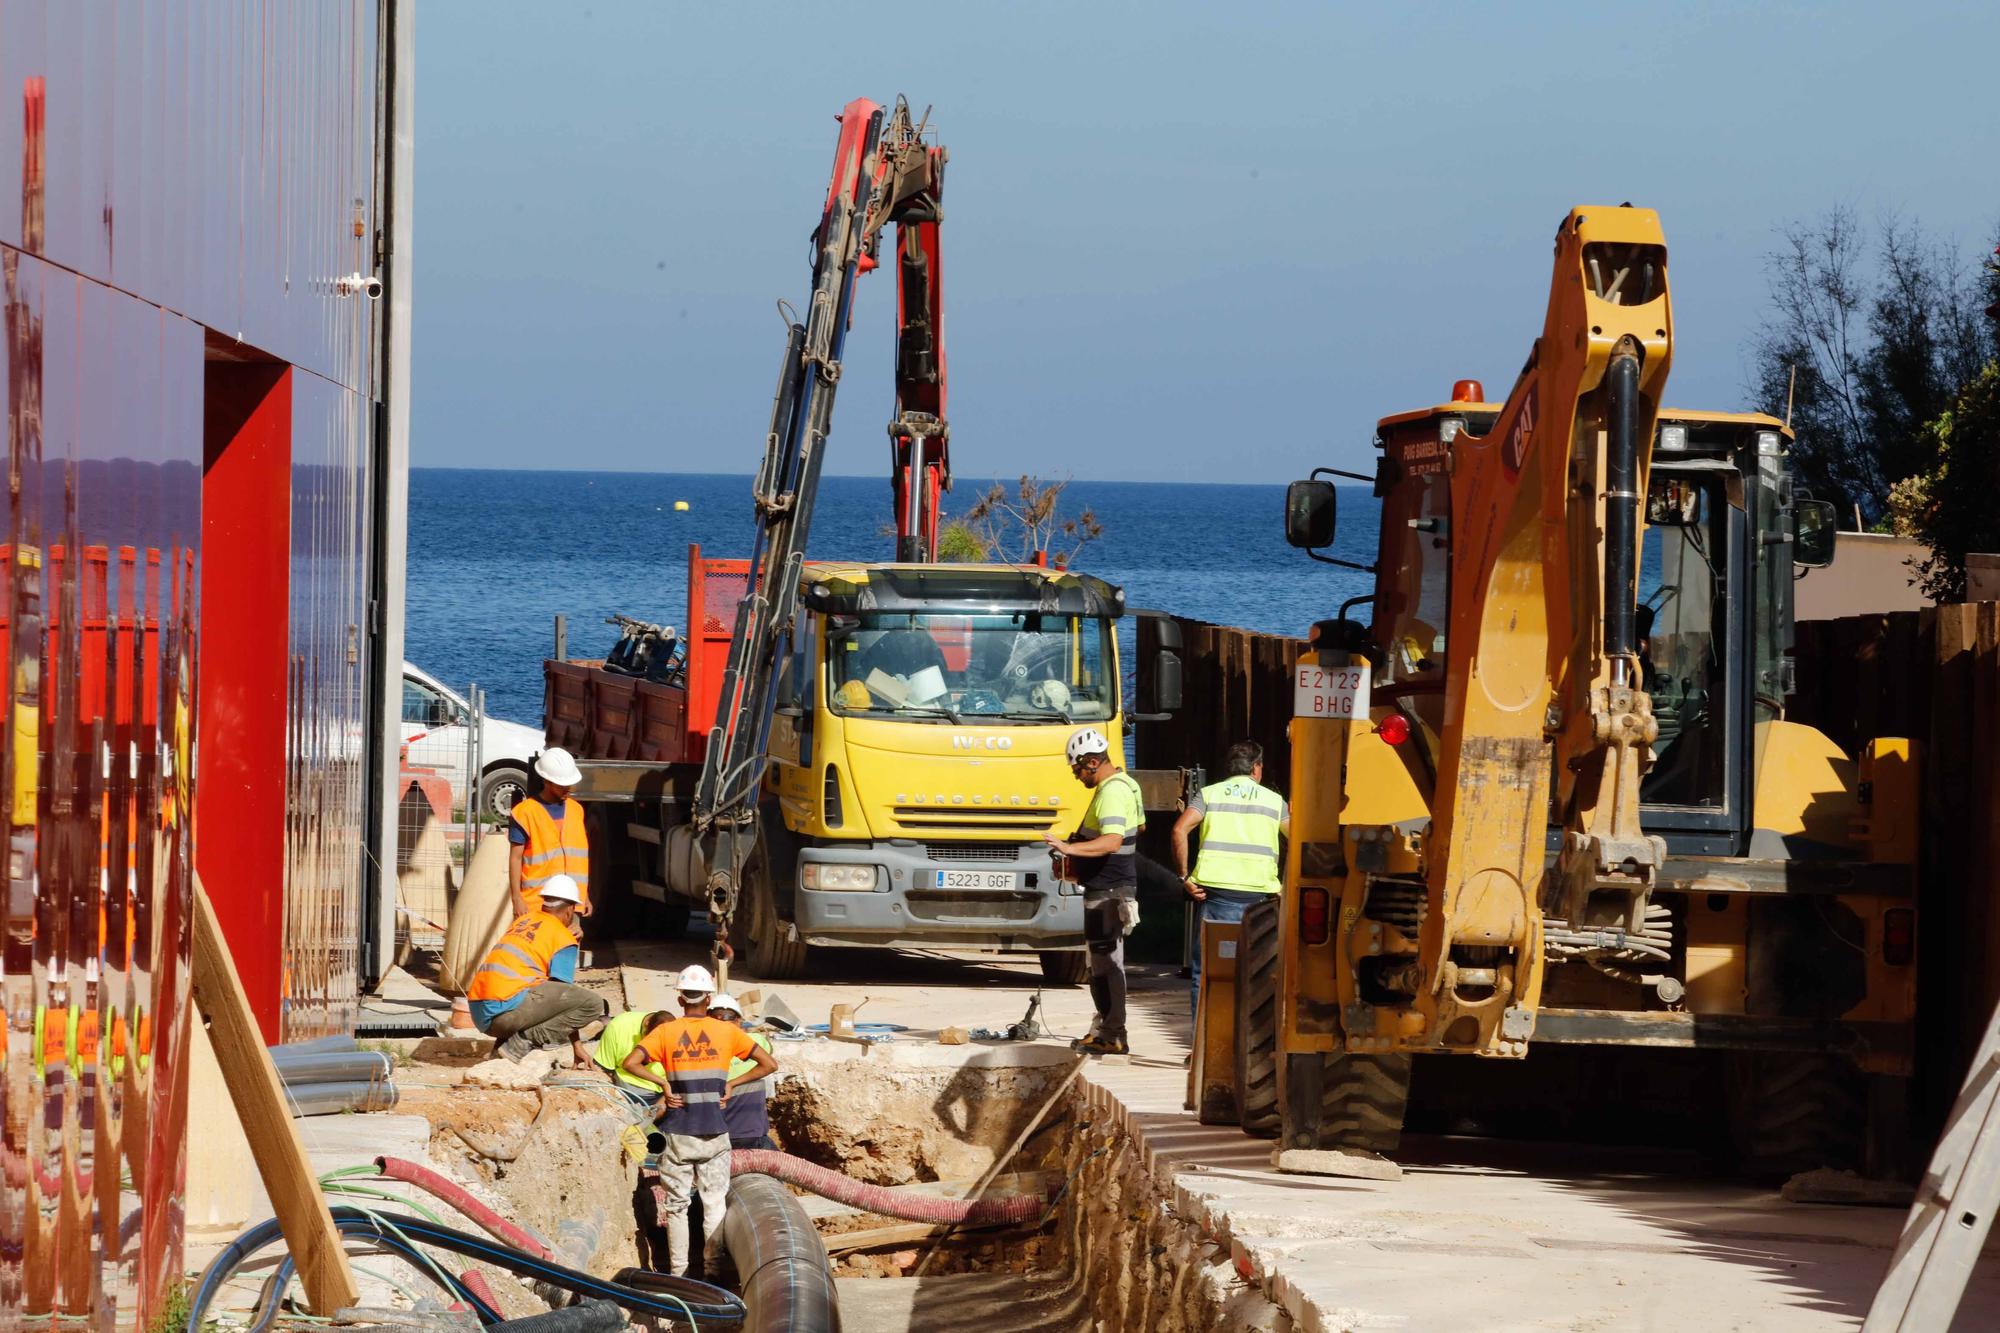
{"x": 1683, "y": 644}
{"x": 1413, "y": 575}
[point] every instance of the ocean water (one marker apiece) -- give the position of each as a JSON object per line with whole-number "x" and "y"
{"x": 495, "y": 556}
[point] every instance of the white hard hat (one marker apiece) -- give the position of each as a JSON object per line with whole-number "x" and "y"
{"x": 724, "y": 1002}
{"x": 696, "y": 980}
{"x": 1088, "y": 741}
{"x": 555, "y": 765}
{"x": 561, "y": 889}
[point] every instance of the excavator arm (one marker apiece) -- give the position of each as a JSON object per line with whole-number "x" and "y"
{"x": 1543, "y": 682}
{"x": 919, "y": 436}
{"x": 882, "y": 173}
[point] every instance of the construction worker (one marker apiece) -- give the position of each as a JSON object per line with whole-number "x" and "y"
{"x": 620, "y": 1035}
{"x": 1102, "y": 857}
{"x": 547, "y": 834}
{"x": 697, "y": 1051}
{"x": 748, "y": 1111}
{"x": 524, "y": 994}
{"x": 1241, "y": 821}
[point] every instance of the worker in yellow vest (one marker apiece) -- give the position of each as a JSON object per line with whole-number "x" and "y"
{"x": 524, "y": 995}
{"x": 547, "y": 835}
{"x": 1241, "y": 821}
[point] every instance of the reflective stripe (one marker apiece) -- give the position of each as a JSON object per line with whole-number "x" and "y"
{"x": 1239, "y": 848}
{"x": 500, "y": 976}
{"x": 554, "y": 846}
{"x": 1241, "y": 808}
{"x": 1111, "y": 822}
{"x": 504, "y": 947}
{"x": 699, "y": 1098}
{"x": 543, "y": 857}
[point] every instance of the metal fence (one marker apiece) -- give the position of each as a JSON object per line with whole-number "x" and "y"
{"x": 440, "y": 818}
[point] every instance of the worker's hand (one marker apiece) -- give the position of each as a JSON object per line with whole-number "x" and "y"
{"x": 672, "y": 1101}
{"x": 1194, "y": 890}
{"x": 583, "y": 909}
{"x": 723, "y": 1100}
{"x": 1055, "y": 843}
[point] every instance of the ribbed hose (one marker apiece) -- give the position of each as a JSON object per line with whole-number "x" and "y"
{"x": 586, "y": 1317}
{"x": 880, "y": 1198}
{"x": 395, "y": 1168}
{"x": 781, "y": 1261}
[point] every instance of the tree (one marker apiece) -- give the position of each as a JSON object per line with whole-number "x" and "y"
{"x": 1961, "y": 511}
{"x": 1028, "y": 523}
{"x": 1867, "y": 352}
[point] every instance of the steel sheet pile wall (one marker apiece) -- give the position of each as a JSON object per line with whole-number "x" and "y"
{"x": 190, "y": 179}
{"x": 1238, "y": 686}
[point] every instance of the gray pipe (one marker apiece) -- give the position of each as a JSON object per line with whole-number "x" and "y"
{"x": 335, "y": 1067}
{"x": 297, "y": 1048}
{"x": 335, "y": 1098}
{"x": 787, "y": 1282}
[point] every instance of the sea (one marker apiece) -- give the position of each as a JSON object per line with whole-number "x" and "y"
{"x": 495, "y": 556}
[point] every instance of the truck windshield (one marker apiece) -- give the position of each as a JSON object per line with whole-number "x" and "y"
{"x": 1021, "y": 665}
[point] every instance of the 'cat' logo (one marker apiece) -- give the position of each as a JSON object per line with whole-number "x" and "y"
{"x": 1515, "y": 450}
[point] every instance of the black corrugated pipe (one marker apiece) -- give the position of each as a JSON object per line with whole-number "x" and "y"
{"x": 1621, "y": 505}
{"x": 584, "y": 1317}
{"x": 786, "y": 1281}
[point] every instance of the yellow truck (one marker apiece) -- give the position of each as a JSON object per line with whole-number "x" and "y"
{"x": 1546, "y": 793}
{"x": 914, "y": 760}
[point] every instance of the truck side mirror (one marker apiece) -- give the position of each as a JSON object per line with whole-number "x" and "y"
{"x": 1311, "y": 514}
{"x": 1160, "y": 674}
{"x": 1813, "y": 532}
{"x": 1165, "y": 682}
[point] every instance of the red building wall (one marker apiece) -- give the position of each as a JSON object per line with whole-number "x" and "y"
{"x": 183, "y": 185}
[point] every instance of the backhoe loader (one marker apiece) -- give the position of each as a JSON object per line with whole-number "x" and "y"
{"x": 1546, "y": 792}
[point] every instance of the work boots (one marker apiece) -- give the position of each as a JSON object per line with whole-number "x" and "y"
{"x": 1104, "y": 1043}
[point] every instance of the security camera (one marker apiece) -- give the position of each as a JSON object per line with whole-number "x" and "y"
{"x": 367, "y": 284}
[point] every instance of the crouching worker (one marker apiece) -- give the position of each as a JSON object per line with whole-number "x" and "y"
{"x": 748, "y": 1110}
{"x": 696, "y": 1050}
{"x": 523, "y": 994}
{"x": 617, "y": 1041}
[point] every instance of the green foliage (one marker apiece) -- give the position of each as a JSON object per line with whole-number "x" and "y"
{"x": 958, "y": 544}
{"x": 172, "y": 1316}
{"x": 1962, "y": 514}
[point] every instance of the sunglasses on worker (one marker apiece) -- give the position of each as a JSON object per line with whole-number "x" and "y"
{"x": 1084, "y": 763}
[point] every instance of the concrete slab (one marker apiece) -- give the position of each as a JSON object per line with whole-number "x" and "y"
{"x": 961, "y": 1301}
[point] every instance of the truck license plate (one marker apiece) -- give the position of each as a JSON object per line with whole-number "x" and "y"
{"x": 977, "y": 879}
{"x": 1336, "y": 692}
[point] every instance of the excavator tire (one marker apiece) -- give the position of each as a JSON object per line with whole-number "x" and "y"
{"x": 1793, "y": 1111}
{"x": 1064, "y": 967}
{"x": 1257, "y": 1021}
{"x": 764, "y": 945}
{"x": 1362, "y": 1102}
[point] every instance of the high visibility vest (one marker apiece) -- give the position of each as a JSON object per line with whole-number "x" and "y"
{"x": 553, "y": 849}
{"x": 521, "y": 959}
{"x": 1239, "y": 837}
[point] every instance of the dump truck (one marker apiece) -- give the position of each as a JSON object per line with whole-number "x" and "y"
{"x": 1546, "y": 792}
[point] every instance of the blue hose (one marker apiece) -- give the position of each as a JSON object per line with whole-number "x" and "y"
{"x": 722, "y": 1309}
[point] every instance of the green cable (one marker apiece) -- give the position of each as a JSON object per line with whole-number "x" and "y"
{"x": 364, "y": 1191}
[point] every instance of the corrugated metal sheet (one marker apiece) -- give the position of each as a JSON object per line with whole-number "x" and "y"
{"x": 182, "y": 183}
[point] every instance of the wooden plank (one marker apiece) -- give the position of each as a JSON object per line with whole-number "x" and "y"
{"x": 267, "y": 1121}
{"x": 902, "y": 1233}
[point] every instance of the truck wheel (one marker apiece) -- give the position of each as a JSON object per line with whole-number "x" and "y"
{"x": 1362, "y": 1101}
{"x": 499, "y": 787}
{"x": 1064, "y": 967}
{"x": 1793, "y": 1111}
{"x": 763, "y": 942}
{"x": 1257, "y": 1020}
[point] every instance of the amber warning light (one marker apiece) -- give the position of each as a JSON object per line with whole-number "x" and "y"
{"x": 1468, "y": 391}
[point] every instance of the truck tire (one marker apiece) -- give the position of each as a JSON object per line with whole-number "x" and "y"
{"x": 764, "y": 945}
{"x": 499, "y": 787}
{"x": 1257, "y": 1020}
{"x": 1793, "y": 1111}
{"x": 1362, "y": 1102}
{"x": 1064, "y": 967}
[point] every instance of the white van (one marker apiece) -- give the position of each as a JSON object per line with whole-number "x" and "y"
{"x": 434, "y": 730}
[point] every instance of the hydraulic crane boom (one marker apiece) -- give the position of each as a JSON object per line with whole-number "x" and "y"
{"x": 920, "y": 438}
{"x": 882, "y": 173}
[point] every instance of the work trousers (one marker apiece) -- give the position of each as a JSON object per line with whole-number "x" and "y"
{"x": 1225, "y": 907}
{"x": 1104, "y": 936}
{"x": 548, "y": 1015}
{"x": 689, "y": 1166}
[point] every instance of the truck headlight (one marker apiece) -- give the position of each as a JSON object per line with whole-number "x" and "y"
{"x": 819, "y": 875}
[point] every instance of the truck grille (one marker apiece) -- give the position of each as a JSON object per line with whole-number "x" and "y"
{"x": 963, "y": 816}
{"x": 973, "y": 851}
{"x": 946, "y": 905}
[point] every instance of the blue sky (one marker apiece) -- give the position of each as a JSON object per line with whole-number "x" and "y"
{"x": 1183, "y": 242}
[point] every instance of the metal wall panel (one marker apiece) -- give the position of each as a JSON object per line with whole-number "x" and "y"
{"x": 168, "y": 169}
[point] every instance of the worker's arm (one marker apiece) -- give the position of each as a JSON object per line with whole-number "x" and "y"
{"x": 1102, "y": 845}
{"x": 1183, "y": 826}
{"x": 763, "y": 1064}
{"x": 638, "y": 1063}
{"x": 515, "y": 855}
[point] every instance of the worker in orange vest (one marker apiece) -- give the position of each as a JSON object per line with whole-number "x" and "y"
{"x": 547, "y": 834}
{"x": 524, "y": 995}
